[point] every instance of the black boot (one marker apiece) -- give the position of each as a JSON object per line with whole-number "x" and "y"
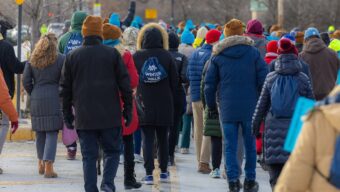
{"x": 234, "y": 186}
{"x": 251, "y": 186}
{"x": 131, "y": 183}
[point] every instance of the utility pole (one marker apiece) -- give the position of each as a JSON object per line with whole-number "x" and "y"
{"x": 280, "y": 10}
{"x": 19, "y": 3}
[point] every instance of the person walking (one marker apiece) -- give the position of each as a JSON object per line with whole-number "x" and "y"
{"x": 181, "y": 63}
{"x": 255, "y": 32}
{"x": 96, "y": 102}
{"x": 309, "y": 164}
{"x": 322, "y": 61}
{"x": 194, "y": 73}
{"x": 234, "y": 58}
{"x": 10, "y": 65}
{"x": 7, "y": 107}
{"x": 187, "y": 39}
{"x": 71, "y": 40}
{"x": 130, "y": 42}
{"x": 280, "y": 93}
{"x": 157, "y": 88}
{"x": 211, "y": 122}
{"x": 41, "y": 81}
{"x": 112, "y": 38}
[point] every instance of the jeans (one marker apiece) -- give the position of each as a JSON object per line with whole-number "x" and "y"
{"x": 148, "y": 133}
{"x": 137, "y": 137}
{"x": 231, "y": 131}
{"x": 216, "y": 152}
{"x": 129, "y": 163}
{"x": 3, "y": 130}
{"x": 110, "y": 141}
{"x": 46, "y": 144}
{"x": 186, "y": 130}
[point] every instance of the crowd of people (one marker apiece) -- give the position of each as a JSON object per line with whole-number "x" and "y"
{"x": 125, "y": 86}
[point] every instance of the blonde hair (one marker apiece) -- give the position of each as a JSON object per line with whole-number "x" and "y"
{"x": 45, "y": 51}
{"x": 120, "y": 47}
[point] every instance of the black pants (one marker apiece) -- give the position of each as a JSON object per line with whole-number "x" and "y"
{"x": 174, "y": 131}
{"x": 216, "y": 152}
{"x": 129, "y": 163}
{"x": 110, "y": 140}
{"x": 274, "y": 173}
{"x": 148, "y": 135}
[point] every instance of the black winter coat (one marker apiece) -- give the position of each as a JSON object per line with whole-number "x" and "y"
{"x": 276, "y": 129}
{"x": 10, "y": 65}
{"x": 158, "y": 98}
{"x": 181, "y": 63}
{"x": 94, "y": 76}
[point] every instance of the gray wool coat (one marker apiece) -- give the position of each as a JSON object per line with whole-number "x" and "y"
{"x": 43, "y": 87}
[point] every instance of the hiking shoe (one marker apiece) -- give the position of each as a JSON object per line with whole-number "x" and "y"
{"x": 215, "y": 174}
{"x": 131, "y": 183}
{"x": 204, "y": 168}
{"x": 251, "y": 186}
{"x": 148, "y": 180}
{"x": 184, "y": 151}
{"x": 71, "y": 153}
{"x": 164, "y": 177}
{"x": 234, "y": 186}
{"x": 139, "y": 158}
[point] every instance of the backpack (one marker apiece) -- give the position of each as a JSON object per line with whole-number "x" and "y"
{"x": 284, "y": 95}
{"x": 75, "y": 41}
{"x": 152, "y": 71}
{"x": 334, "y": 174}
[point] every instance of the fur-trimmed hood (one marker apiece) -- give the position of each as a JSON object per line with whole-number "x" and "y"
{"x": 152, "y": 35}
{"x": 231, "y": 41}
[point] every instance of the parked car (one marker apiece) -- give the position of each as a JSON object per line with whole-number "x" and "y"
{"x": 12, "y": 35}
{"x": 56, "y": 28}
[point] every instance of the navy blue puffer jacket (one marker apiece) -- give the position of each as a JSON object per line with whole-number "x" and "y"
{"x": 195, "y": 69}
{"x": 239, "y": 70}
{"x": 276, "y": 129}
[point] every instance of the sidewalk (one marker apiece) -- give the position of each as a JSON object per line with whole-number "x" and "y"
{"x": 20, "y": 174}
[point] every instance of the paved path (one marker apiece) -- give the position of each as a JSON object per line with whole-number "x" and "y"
{"x": 19, "y": 164}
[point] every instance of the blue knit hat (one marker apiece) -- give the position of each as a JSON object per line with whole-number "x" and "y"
{"x": 189, "y": 25}
{"x": 187, "y": 37}
{"x": 115, "y": 19}
{"x": 311, "y": 32}
{"x": 290, "y": 37}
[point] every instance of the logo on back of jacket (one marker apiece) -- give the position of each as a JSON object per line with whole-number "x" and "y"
{"x": 152, "y": 71}
{"x": 75, "y": 41}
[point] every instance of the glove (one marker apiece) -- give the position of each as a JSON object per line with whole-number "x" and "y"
{"x": 14, "y": 126}
{"x": 127, "y": 118}
{"x": 212, "y": 113}
{"x": 69, "y": 122}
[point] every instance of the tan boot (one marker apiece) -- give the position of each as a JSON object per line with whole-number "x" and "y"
{"x": 41, "y": 167}
{"x": 204, "y": 168}
{"x": 49, "y": 172}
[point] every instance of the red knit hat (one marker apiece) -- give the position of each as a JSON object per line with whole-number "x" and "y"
{"x": 213, "y": 36}
{"x": 272, "y": 47}
{"x": 286, "y": 47}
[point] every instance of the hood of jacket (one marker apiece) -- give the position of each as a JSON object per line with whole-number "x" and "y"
{"x": 152, "y": 36}
{"x": 173, "y": 41}
{"x": 288, "y": 64}
{"x": 237, "y": 51}
{"x": 314, "y": 45}
{"x": 130, "y": 35}
{"x": 77, "y": 20}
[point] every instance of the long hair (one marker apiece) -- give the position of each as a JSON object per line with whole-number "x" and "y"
{"x": 45, "y": 51}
